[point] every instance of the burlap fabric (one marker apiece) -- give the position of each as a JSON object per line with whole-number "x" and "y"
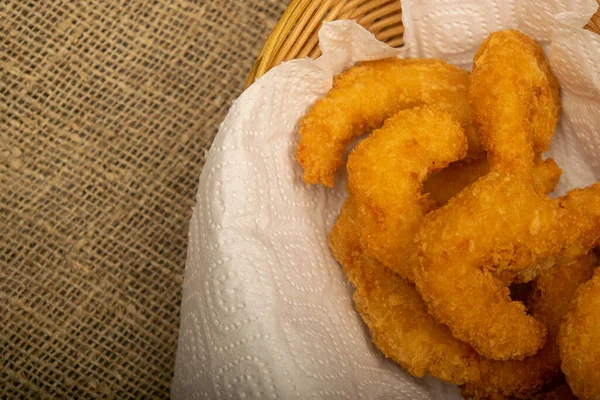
{"x": 106, "y": 111}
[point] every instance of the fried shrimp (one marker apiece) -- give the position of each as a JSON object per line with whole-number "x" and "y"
{"x": 449, "y": 209}
{"x": 498, "y": 223}
{"x": 386, "y": 173}
{"x": 404, "y": 331}
{"x": 448, "y": 182}
{"x": 515, "y": 101}
{"x": 579, "y": 341}
{"x": 395, "y": 313}
{"x": 548, "y": 302}
{"x": 364, "y": 96}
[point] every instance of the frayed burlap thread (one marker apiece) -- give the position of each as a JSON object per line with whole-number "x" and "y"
{"x": 106, "y": 111}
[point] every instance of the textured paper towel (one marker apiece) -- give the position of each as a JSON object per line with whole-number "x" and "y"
{"x": 266, "y": 311}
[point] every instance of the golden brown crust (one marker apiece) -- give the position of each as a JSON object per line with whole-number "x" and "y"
{"x": 548, "y": 302}
{"x": 498, "y": 223}
{"x": 450, "y": 181}
{"x": 515, "y": 101}
{"x": 364, "y": 96}
{"x": 386, "y": 173}
{"x": 395, "y": 313}
{"x": 404, "y": 331}
{"x": 579, "y": 340}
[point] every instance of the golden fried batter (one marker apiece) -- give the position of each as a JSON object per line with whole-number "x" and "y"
{"x": 495, "y": 225}
{"x": 515, "y": 101}
{"x": 552, "y": 293}
{"x": 404, "y": 331}
{"x": 498, "y": 223}
{"x": 386, "y": 173}
{"x": 364, "y": 96}
{"x": 448, "y": 182}
{"x": 396, "y": 314}
{"x": 579, "y": 341}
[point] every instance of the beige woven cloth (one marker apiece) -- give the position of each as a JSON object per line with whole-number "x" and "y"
{"x": 106, "y": 111}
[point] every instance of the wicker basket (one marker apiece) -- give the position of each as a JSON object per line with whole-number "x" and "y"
{"x": 295, "y": 35}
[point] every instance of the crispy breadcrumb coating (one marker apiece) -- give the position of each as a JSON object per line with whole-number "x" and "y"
{"x": 579, "y": 341}
{"x": 448, "y": 182}
{"x": 386, "y": 173}
{"x": 515, "y": 100}
{"x": 498, "y": 223}
{"x": 395, "y": 313}
{"x": 364, "y": 96}
{"x": 548, "y": 302}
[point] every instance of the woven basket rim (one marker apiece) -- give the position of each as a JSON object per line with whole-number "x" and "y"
{"x": 296, "y": 33}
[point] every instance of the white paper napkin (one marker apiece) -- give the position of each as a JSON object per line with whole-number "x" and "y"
{"x": 266, "y": 310}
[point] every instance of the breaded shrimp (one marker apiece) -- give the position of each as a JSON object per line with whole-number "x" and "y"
{"x": 548, "y": 302}
{"x": 498, "y": 223}
{"x": 395, "y": 313}
{"x": 515, "y": 101}
{"x": 579, "y": 341}
{"x": 404, "y": 331}
{"x": 364, "y": 96}
{"x": 386, "y": 173}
